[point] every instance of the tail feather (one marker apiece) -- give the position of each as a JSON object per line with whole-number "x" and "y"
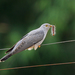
{"x": 5, "y": 57}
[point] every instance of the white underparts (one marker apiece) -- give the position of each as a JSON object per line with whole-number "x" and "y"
{"x": 30, "y": 48}
{"x": 35, "y": 46}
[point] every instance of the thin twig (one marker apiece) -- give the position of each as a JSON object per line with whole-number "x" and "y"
{"x": 5, "y": 49}
{"x": 60, "y": 42}
{"x": 38, "y": 66}
{"x": 48, "y": 44}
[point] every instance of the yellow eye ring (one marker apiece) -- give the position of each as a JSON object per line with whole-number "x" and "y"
{"x": 46, "y": 25}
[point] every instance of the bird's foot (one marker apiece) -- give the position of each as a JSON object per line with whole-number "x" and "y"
{"x": 39, "y": 46}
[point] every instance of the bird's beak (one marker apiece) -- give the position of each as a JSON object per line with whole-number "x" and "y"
{"x": 50, "y": 25}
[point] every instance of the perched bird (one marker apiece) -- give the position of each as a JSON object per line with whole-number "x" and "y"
{"x": 31, "y": 40}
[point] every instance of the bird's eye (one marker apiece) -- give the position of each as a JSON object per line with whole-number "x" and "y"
{"x": 46, "y": 25}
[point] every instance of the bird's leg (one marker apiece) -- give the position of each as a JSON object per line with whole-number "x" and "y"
{"x": 39, "y": 46}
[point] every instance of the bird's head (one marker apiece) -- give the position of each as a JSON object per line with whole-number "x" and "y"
{"x": 46, "y": 26}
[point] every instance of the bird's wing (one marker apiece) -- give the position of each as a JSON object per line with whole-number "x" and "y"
{"x": 28, "y": 41}
{"x": 14, "y": 45}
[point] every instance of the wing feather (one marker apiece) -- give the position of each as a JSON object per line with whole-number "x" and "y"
{"x": 28, "y": 41}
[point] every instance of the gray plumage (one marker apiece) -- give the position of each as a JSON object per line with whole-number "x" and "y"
{"x": 31, "y": 40}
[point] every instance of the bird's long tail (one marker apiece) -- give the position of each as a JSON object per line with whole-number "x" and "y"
{"x": 5, "y": 57}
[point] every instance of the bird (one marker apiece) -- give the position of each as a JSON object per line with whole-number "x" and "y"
{"x": 31, "y": 40}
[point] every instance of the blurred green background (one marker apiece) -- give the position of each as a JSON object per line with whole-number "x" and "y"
{"x": 18, "y": 17}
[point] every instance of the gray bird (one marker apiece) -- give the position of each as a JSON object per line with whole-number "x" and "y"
{"x": 31, "y": 40}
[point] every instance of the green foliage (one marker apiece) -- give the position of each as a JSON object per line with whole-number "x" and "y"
{"x": 18, "y": 17}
